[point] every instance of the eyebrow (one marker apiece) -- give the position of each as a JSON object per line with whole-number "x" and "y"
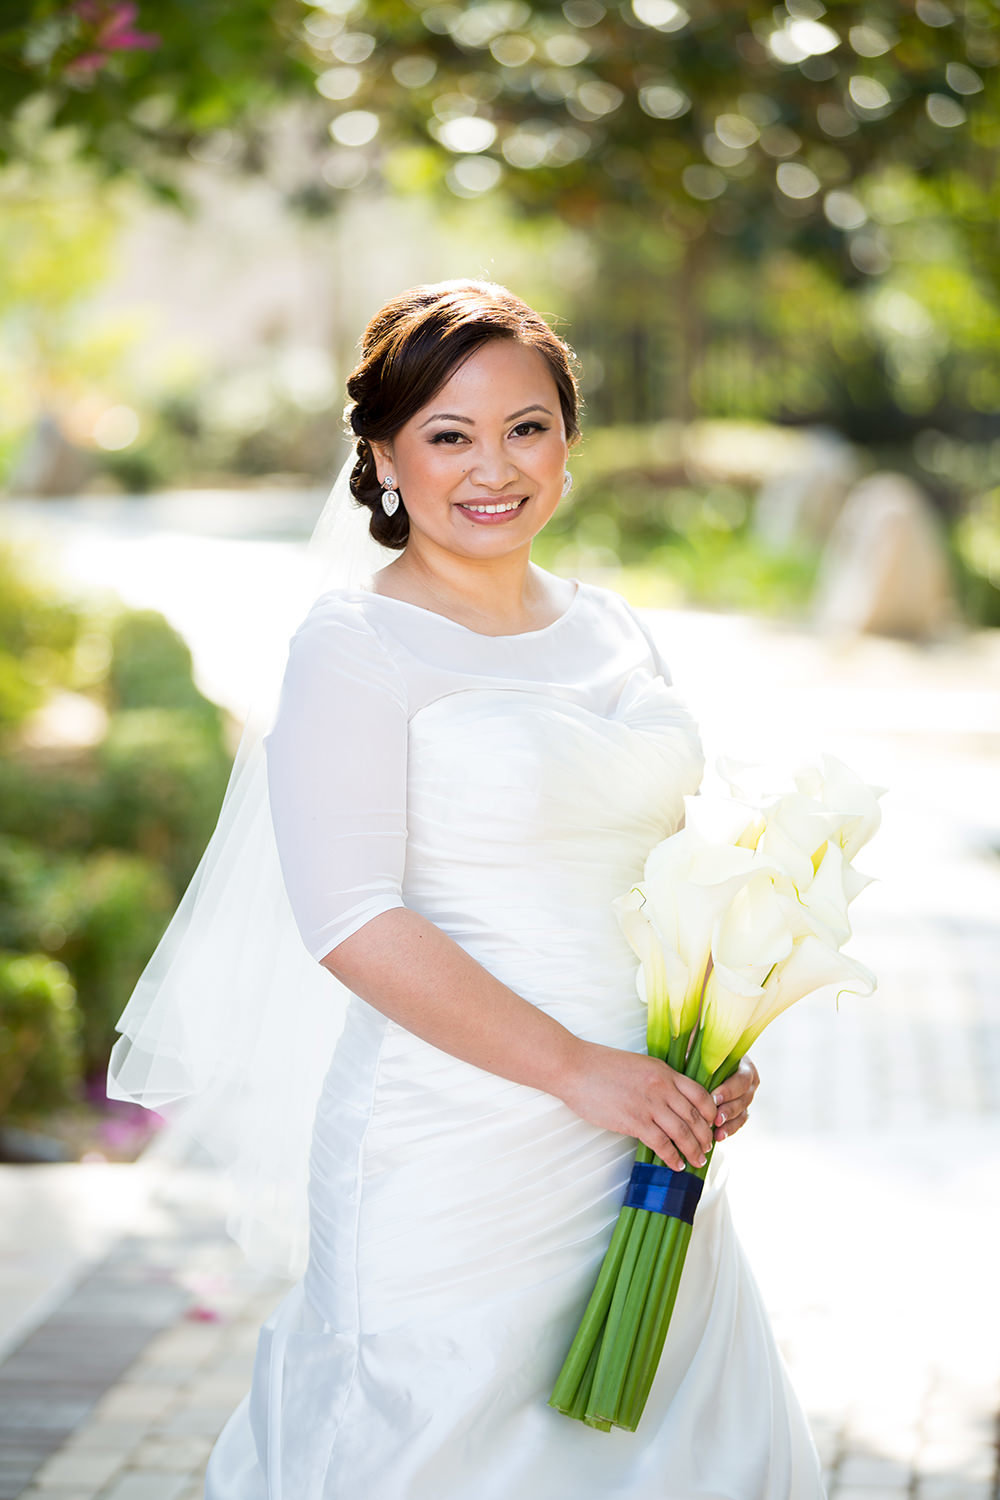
{"x": 450, "y": 416}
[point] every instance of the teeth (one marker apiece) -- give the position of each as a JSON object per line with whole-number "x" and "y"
{"x": 492, "y": 510}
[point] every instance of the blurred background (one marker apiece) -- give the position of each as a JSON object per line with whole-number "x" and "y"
{"x": 770, "y": 234}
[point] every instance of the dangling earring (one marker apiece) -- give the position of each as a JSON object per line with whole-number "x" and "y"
{"x": 567, "y": 482}
{"x": 390, "y": 495}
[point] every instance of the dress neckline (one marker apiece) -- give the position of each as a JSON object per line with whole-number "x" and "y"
{"x": 515, "y": 635}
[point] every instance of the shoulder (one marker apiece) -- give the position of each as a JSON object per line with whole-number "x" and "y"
{"x": 337, "y": 635}
{"x": 633, "y": 622}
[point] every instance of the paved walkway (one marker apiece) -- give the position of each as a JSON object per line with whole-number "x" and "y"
{"x": 866, "y": 1190}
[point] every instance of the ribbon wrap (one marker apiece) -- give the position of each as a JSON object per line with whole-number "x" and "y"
{"x": 661, "y": 1190}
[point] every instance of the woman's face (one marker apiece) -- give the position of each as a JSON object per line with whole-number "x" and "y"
{"x": 493, "y": 435}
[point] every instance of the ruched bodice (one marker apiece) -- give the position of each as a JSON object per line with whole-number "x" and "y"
{"x": 508, "y": 789}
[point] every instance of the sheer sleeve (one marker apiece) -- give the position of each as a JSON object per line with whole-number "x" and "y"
{"x": 336, "y": 772}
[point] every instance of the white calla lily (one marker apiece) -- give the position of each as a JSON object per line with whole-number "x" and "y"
{"x": 723, "y": 820}
{"x": 853, "y": 801}
{"x": 752, "y": 934}
{"x": 689, "y": 883}
{"x": 811, "y": 965}
{"x": 749, "y": 938}
{"x": 661, "y": 972}
{"x": 797, "y": 831}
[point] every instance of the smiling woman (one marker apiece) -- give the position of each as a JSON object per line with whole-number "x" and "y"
{"x": 470, "y": 761}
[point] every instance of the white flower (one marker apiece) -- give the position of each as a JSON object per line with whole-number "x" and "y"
{"x": 853, "y": 801}
{"x": 731, "y": 1001}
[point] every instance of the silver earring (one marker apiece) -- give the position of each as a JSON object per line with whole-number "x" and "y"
{"x": 567, "y": 482}
{"x": 390, "y": 495}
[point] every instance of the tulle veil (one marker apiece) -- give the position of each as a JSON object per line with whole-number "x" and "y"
{"x": 231, "y": 1027}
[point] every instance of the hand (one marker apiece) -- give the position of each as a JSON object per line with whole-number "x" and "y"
{"x": 733, "y": 1098}
{"x": 640, "y": 1096}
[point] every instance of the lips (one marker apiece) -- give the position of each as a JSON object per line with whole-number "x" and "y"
{"x": 509, "y": 508}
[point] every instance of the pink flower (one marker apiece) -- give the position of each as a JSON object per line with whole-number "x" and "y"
{"x": 109, "y": 27}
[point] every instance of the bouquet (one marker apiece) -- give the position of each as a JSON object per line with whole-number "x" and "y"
{"x": 740, "y": 913}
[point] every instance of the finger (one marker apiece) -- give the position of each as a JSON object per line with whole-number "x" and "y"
{"x": 684, "y": 1138}
{"x": 659, "y": 1142}
{"x": 691, "y": 1117}
{"x": 736, "y": 1094}
{"x": 731, "y": 1126}
{"x": 700, "y": 1098}
{"x": 733, "y": 1087}
{"x": 734, "y": 1107}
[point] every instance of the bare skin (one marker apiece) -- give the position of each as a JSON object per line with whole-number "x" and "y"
{"x": 494, "y": 434}
{"x": 414, "y": 973}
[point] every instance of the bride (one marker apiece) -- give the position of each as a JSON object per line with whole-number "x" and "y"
{"x": 470, "y": 758}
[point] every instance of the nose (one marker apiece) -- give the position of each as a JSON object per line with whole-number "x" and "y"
{"x": 492, "y": 467}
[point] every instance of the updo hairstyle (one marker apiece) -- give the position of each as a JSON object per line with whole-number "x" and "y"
{"x": 411, "y": 348}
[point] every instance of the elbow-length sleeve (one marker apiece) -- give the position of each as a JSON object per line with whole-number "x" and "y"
{"x": 336, "y": 775}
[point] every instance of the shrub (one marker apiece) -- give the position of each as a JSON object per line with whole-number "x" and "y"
{"x": 103, "y": 916}
{"x": 37, "y": 635}
{"x": 164, "y": 774}
{"x": 53, "y": 803}
{"x": 39, "y": 1035}
{"x": 151, "y": 668}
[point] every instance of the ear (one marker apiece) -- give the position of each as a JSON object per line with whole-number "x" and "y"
{"x": 383, "y": 458}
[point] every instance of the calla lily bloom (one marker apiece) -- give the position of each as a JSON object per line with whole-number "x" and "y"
{"x": 662, "y": 973}
{"x": 688, "y": 883}
{"x": 811, "y": 965}
{"x": 853, "y": 801}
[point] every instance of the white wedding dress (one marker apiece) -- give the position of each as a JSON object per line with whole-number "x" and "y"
{"x": 507, "y": 788}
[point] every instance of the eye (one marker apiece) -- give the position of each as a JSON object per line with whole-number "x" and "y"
{"x": 525, "y": 429}
{"x": 446, "y": 437}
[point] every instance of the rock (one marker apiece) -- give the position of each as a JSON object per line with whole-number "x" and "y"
{"x": 802, "y": 503}
{"x": 885, "y": 567}
{"x": 48, "y": 463}
{"x": 27, "y": 1147}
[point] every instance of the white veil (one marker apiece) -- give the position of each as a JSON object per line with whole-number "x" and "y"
{"x": 231, "y": 1027}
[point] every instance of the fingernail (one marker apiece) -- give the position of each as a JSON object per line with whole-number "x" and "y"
{"x": 717, "y": 1097}
{"x": 720, "y": 1118}
{"x": 721, "y": 1136}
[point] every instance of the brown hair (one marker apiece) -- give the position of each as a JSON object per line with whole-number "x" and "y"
{"x": 411, "y": 348}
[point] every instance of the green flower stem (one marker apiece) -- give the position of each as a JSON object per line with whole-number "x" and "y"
{"x": 618, "y": 1338}
{"x": 659, "y": 1308}
{"x": 725, "y": 1070}
{"x": 578, "y": 1408}
{"x": 661, "y": 1326}
{"x": 635, "y": 1314}
{"x": 662, "y": 1290}
{"x": 576, "y": 1374}
{"x": 693, "y": 1065}
{"x": 573, "y": 1375}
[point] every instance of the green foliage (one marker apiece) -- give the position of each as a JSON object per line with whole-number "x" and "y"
{"x": 96, "y": 842}
{"x": 669, "y": 543}
{"x": 736, "y": 119}
{"x": 103, "y": 916}
{"x": 55, "y": 802}
{"x": 38, "y": 633}
{"x": 132, "y": 97}
{"x": 151, "y": 667}
{"x": 976, "y": 543}
{"x": 163, "y": 776}
{"x": 39, "y": 1042}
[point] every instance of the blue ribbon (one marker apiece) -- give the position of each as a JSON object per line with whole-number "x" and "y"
{"x": 661, "y": 1190}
